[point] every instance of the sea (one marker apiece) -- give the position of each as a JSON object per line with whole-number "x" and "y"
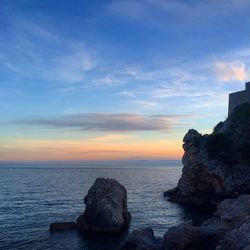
{"x": 33, "y": 196}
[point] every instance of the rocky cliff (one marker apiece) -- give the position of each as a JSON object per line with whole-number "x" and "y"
{"x": 216, "y": 166}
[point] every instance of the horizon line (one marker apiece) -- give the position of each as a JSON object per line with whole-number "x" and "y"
{"x": 89, "y": 161}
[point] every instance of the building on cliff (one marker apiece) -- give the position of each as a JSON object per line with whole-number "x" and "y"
{"x": 237, "y": 98}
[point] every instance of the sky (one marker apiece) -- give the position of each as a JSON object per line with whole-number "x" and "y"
{"x": 116, "y": 80}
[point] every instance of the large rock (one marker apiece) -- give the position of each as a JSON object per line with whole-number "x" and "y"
{"x": 106, "y": 208}
{"x": 141, "y": 239}
{"x": 228, "y": 229}
{"x": 183, "y": 236}
{"x": 216, "y": 166}
{"x": 236, "y": 239}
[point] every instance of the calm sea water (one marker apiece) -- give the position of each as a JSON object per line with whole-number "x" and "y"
{"x": 32, "y": 198}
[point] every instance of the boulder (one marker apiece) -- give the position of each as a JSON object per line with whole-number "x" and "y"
{"x": 141, "y": 239}
{"x": 183, "y": 236}
{"x": 216, "y": 166}
{"x": 234, "y": 210}
{"x": 230, "y": 225}
{"x": 227, "y": 229}
{"x": 106, "y": 208}
{"x": 236, "y": 239}
{"x": 230, "y": 213}
{"x": 61, "y": 226}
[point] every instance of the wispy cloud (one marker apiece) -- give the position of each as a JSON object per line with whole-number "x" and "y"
{"x": 127, "y": 93}
{"x": 35, "y": 49}
{"x": 13, "y": 68}
{"x": 162, "y": 13}
{"x": 34, "y": 29}
{"x": 231, "y": 71}
{"x": 108, "y": 80}
{"x": 109, "y": 138}
{"x": 111, "y": 122}
{"x": 72, "y": 65}
{"x": 198, "y": 82}
{"x": 146, "y": 104}
{"x": 155, "y": 12}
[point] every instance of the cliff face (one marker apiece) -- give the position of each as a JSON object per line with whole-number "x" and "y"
{"x": 216, "y": 166}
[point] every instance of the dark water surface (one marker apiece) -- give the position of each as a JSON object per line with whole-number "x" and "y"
{"x": 32, "y": 198}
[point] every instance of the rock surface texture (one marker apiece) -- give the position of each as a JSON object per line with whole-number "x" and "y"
{"x": 106, "y": 208}
{"x": 183, "y": 236}
{"x": 228, "y": 229}
{"x": 216, "y": 170}
{"x": 216, "y": 166}
{"x": 141, "y": 239}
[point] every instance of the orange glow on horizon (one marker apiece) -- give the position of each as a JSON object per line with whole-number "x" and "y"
{"x": 96, "y": 150}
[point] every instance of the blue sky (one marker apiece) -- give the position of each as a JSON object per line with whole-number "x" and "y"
{"x": 91, "y": 75}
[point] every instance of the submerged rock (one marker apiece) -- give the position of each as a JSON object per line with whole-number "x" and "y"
{"x": 141, "y": 239}
{"x": 216, "y": 166}
{"x": 61, "y": 226}
{"x": 106, "y": 208}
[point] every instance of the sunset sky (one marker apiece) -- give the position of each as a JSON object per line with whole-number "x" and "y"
{"x": 104, "y": 80}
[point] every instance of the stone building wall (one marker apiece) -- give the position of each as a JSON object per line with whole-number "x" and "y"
{"x": 237, "y": 98}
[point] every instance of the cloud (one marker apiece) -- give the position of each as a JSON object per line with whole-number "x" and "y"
{"x": 231, "y": 71}
{"x": 153, "y": 11}
{"x": 35, "y": 48}
{"x": 109, "y": 138}
{"x": 110, "y": 122}
{"x": 146, "y": 104}
{"x": 127, "y": 93}
{"x": 72, "y": 65}
{"x": 34, "y": 29}
{"x": 108, "y": 80}
{"x": 164, "y": 13}
{"x": 13, "y": 68}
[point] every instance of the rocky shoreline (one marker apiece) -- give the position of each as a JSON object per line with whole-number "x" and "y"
{"x": 229, "y": 228}
{"x": 216, "y": 166}
{"x": 216, "y": 171}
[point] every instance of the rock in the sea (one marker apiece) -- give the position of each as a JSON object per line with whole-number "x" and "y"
{"x": 227, "y": 229}
{"x": 216, "y": 166}
{"x": 171, "y": 192}
{"x": 236, "y": 239}
{"x": 234, "y": 209}
{"x": 141, "y": 239}
{"x": 230, "y": 213}
{"x": 106, "y": 208}
{"x": 183, "y": 236}
{"x": 61, "y": 226}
